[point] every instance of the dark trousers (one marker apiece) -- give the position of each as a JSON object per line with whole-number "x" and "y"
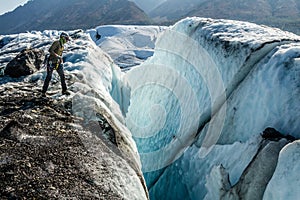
{"x": 60, "y": 71}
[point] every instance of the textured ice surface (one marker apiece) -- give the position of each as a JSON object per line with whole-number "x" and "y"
{"x": 196, "y": 66}
{"x": 210, "y": 82}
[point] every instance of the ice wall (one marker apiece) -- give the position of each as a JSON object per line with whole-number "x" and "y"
{"x": 210, "y": 82}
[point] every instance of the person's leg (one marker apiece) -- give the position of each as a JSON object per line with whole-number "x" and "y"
{"x": 47, "y": 80}
{"x": 60, "y": 72}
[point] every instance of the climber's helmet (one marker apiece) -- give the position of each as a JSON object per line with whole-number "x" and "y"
{"x": 65, "y": 37}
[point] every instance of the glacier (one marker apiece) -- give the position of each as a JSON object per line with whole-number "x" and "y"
{"x": 209, "y": 90}
{"x": 188, "y": 103}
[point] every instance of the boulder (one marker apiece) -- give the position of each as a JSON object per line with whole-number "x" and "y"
{"x": 25, "y": 63}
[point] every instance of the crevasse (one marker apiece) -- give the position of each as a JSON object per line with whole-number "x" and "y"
{"x": 208, "y": 92}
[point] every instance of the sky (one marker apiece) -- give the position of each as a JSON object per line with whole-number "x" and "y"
{"x": 9, "y": 5}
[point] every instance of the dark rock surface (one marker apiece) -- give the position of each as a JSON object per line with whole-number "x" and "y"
{"x": 274, "y": 135}
{"x": 44, "y": 154}
{"x": 25, "y": 63}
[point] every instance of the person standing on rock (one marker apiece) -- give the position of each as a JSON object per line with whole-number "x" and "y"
{"x": 55, "y": 62}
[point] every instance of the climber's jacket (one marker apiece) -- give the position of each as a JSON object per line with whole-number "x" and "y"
{"x": 56, "y": 51}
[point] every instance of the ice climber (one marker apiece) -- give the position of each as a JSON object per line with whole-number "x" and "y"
{"x": 55, "y": 62}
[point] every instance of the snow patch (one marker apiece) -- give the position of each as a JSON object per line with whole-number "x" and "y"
{"x": 127, "y": 45}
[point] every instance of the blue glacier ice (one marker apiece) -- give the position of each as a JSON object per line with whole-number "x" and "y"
{"x": 209, "y": 90}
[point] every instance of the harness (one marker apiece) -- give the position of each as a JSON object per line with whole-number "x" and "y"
{"x": 50, "y": 64}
